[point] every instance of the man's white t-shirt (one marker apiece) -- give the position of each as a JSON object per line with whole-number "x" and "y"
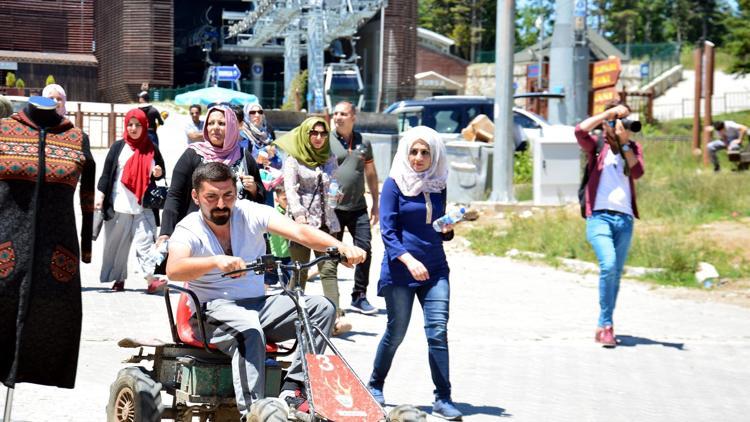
{"x": 731, "y": 131}
{"x": 613, "y": 192}
{"x": 248, "y": 222}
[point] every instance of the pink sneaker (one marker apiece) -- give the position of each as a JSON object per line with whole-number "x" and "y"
{"x": 607, "y": 337}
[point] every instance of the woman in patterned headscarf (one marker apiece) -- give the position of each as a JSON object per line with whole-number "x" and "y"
{"x": 308, "y": 170}
{"x": 131, "y": 165}
{"x": 414, "y": 265}
{"x": 220, "y": 143}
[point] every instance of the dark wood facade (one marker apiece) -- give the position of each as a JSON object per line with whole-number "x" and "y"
{"x": 134, "y": 45}
{"x": 62, "y": 26}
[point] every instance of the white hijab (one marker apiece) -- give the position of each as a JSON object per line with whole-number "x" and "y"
{"x": 47, "y": 92}
{"x": 410, "y": 182}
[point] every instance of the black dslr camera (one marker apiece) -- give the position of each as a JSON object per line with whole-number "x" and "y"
{"x": 631, "y": 125}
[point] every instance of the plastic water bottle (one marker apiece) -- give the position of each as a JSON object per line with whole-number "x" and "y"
{"x": 452, "y": 217}
{"x": 333, "y": 193}
{"x": 156, "y": 255}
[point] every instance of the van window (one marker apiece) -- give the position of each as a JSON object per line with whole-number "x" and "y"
{"x": 408, "y": 120}
{"x": 443, "y": 120}
{"x": 524, "y": 121}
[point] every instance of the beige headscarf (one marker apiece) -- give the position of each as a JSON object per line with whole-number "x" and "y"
{"x": 410, "y": 182}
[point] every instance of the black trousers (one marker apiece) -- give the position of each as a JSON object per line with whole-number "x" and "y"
{"x": 358, "y": 224}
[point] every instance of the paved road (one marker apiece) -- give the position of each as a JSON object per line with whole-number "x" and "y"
{"x": 521, "y": 342}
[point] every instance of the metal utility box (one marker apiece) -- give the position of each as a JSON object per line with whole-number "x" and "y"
{"x": 557, "y": 166}
{"x": 470, "y": 171}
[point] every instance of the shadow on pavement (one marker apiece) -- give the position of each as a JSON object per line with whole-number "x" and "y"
{"x": 346, "y": 336}
{"x": 631, "y": 341}
{"x": 469, "y": 410}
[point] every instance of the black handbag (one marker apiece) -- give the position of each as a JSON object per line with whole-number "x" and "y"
{"x": 155, "y": 196}
{"x": 97, "y": 226}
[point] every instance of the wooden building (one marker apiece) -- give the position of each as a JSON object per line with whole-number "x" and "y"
{"x": 134, "y": 45}
{"x": 45, "y": 38}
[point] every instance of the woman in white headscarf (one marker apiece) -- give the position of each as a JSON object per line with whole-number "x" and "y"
{"x": 414, "y": 264}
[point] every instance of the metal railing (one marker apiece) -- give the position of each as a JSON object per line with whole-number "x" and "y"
{"x": 727, "y": 103}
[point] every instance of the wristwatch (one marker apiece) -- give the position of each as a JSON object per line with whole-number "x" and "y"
{"x": 625, "y": 148}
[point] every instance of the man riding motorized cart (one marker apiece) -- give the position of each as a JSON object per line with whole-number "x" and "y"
{"x": 212, "y": 251}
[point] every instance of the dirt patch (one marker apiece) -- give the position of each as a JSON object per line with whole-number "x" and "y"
{"x": 731, "y": 235}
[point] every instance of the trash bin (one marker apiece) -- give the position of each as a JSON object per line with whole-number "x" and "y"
{"x": 470, "y": 171}
{"x": 383, "y": 149}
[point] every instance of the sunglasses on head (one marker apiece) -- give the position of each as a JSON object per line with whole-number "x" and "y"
{"x": 251, "y": 112}
{"x": 321, "y": 133}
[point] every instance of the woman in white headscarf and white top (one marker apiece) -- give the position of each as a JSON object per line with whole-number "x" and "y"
{"x": 414, "y": 264}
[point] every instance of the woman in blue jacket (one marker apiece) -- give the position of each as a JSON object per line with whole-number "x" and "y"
{"x": 414, "y": 263}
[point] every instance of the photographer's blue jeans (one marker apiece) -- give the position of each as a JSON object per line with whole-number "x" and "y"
{"x": 399, "y": 300}
{"x": 609, "y": 235}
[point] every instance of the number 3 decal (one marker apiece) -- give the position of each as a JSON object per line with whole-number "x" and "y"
{"x": 324, "y": 363}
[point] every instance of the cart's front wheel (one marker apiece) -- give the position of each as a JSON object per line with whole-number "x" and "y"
{"x": 269, "y": 410}
{"x": 134, "y": 397}
{"x": 406, "y": 413}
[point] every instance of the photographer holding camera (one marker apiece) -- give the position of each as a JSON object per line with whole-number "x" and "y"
{"x": 614, "y": 162}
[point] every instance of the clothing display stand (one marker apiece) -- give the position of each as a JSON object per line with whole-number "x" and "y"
{"x": 42, "y": 111}
{"x": 8, "y": 405}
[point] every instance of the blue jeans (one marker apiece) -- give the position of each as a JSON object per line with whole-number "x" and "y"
{"x": 434, "y": 299}
{"x": 609, "y": 235}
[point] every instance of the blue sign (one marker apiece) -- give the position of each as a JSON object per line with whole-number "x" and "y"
{"x": 227, "y": 73}
{"x": 579, "y": 9}
{"x": 645, "y": 70}
{"x": 532, "y": 71}
{"x": 257, "y": 69}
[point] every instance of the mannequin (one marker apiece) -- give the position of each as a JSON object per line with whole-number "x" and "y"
{"x": 41, "y": 110}
{"x": 40, "y": 316}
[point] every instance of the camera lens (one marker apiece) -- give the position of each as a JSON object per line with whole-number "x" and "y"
{"x": 631, "y": 125}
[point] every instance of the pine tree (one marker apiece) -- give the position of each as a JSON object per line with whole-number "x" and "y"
{"x": 739, "y": 39}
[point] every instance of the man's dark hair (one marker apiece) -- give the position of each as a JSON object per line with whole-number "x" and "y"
{"x": 719, "y": 125}
{"x": 198, "y": 106}
{"x": 351, "y": 106}
{"x": 212, "y": 172}
{"x": 144, "y": 95}
{"x": 279, "y": 188}
{"x": 238, "y": 112}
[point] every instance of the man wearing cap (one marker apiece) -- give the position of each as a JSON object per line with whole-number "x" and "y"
{"x": 153, "y": 115}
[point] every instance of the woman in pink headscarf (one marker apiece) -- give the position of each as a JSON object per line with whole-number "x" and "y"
{"x": 220, "y": 143}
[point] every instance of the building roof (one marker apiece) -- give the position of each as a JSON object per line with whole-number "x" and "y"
{"x": 434, "y": 37}
{"x": 600, "y": 48}
{"x": 448, "y": 82}
{"x": 48, "y": 58}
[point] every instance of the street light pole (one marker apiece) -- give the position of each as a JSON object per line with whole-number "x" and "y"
{"x": 502, "y": 160}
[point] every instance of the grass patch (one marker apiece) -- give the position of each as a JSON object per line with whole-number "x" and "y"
{"x": 677, "y": 197}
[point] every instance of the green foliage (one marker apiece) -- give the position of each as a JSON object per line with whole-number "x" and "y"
{"x": 522, "y": 167}
{"x": 50, "y": 80}
{"x": 10, "y": 79}
{"x": 299, "y": 85}
{"x": 20, "y": 84}
{"x": 455, "y": 19}
{"x": 739, "y": 39}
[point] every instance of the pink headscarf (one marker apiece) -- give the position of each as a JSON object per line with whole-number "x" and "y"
{"x": 228, "y": 153}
